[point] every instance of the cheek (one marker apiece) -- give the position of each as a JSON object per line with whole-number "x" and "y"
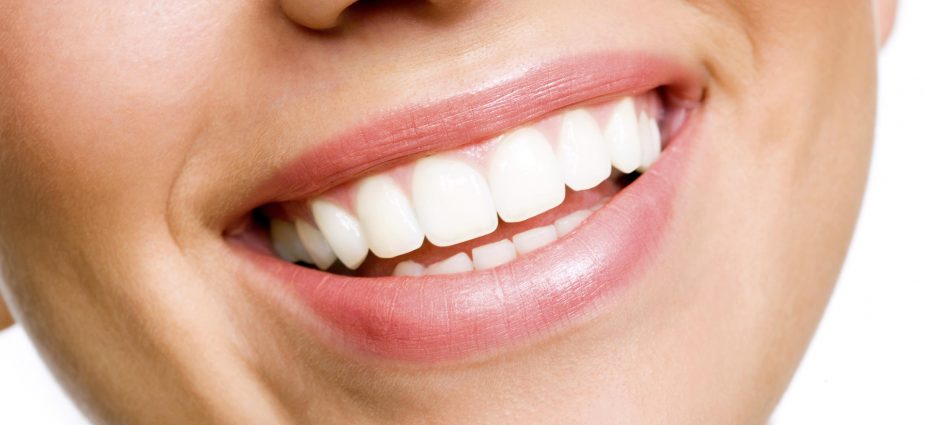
{"x": 101, "y": 99}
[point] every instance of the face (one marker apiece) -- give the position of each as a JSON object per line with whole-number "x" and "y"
{"x": 429, "y": 212}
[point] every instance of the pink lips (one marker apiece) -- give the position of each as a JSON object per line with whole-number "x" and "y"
{"x": 438, "y": 318}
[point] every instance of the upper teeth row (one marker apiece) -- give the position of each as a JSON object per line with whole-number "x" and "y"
{"x": 452, "y": 197}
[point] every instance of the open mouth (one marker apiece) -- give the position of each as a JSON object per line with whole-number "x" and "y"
{"x": 441, "y": 253}
{"x": 480, "y": 206}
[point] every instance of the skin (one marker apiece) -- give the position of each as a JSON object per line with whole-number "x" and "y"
{"x": 126, "y": 127}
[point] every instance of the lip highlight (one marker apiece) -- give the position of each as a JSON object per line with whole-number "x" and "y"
{"x": 401, "y": 135}
{"x": 438, "y": 318}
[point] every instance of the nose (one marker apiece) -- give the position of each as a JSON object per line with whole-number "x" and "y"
{"x": 327, "y": 14}
{"x": 315, "y": 14}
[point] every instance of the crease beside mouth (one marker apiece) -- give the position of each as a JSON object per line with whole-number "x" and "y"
{"x": 478, "y": 207}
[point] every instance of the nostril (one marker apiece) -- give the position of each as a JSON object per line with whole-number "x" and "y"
{"x": 327, "y": 15}
{"x": 316, "y": 14}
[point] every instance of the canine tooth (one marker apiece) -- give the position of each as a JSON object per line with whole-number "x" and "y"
{"x": 493, "y": 254}
{"x": 622, "y": 136}
{"x": 452, "y": 201}
{"x": 318, "y": 249}
{"x": 458, "y": 263}
{"x": 408, "y": 268}
{"x": 571, "y": 222}
{"x": 524, "y": 176}
{"x": 651, "y": 140}
{"x": 582, "y": 153}
{"x": 342, "y": 231}
{"x": 387, "y": 217}
{"x": 534, "y": 239}
{"x": 286, "y": 242}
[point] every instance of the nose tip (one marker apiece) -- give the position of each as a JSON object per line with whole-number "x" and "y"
{"x": 327, "y": 14}
{"x": 315, "y": 14}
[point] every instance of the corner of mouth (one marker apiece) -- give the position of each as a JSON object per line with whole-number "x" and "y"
{"x": 534, "y": 261}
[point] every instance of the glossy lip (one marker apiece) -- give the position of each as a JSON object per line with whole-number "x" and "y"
{"x": 473, "y": 117}
{"x": 445, "y": 318}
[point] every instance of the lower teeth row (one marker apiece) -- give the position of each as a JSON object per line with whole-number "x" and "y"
{"x": 497, "y": 253}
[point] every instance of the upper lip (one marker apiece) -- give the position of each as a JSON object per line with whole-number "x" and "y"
{"x": 444, "y": 317}
{"x": 471, "y": 117}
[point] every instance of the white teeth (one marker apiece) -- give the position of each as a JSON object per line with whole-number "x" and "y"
{"x": 408, "y": 268}
{"x": 452, "y": 201}
{"x": 451, "y": 198}
{"x": 650, "y": 139}
{"x": 342, "y": 231}
{"x": 459, "y": 263}
{"x": 582, "y": 152}
{"x": 387, "y": 217}
{"x": 493, "y": 254}
{"x": 318, "y": 249}
{"x": 622, "y": 136}
{"x": 534, "y": 239}
{"x": 524, "y": 176}
{"x": 566, "y": 224}
{"x": 286, "y": 242}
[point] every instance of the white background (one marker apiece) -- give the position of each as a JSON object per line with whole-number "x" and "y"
{"x": 867, "y": 362}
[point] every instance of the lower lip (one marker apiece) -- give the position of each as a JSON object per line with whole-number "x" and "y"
{"x": 445, "y": 318}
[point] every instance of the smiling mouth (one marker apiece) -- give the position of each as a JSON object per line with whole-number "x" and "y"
{"x": 413, "y": 252}
{"x": 480, "y": 206}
